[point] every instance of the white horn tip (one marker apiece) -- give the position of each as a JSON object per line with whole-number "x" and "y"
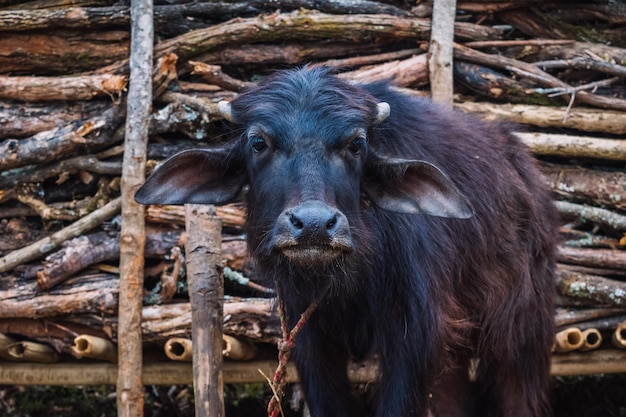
{"x": 382, "y": 111}
{"x": 224, "y": 109}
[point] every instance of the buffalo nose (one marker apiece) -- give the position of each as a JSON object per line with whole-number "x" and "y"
{"x": 315, "y": 222}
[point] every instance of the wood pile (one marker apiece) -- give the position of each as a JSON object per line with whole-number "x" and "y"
{"x": 557, "y": 69}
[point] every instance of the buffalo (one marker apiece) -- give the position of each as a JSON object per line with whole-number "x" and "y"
{"x": 428, "y": 235}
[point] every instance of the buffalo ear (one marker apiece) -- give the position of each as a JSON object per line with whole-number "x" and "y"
{"x": 192, "y": 176}
{"x": 412, "y": 186}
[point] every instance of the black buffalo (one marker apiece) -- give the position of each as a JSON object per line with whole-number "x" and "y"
{"x": 429, "y": 234}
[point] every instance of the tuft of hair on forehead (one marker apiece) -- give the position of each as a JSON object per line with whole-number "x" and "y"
{"x": 308, "y": 88}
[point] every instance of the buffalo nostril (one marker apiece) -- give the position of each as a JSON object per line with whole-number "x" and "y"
{"x": 332, "y": 222}
{"x": 296, "y": 222}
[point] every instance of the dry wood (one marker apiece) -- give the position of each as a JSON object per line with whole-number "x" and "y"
{"x": 567, "y": 146}
{"x": 598, "y": 290}
{"x": 603, "y": 258}
{"x": 588, "y": 363}
{"x": 619, "y": 336}
{"x": 94, "y": 132}
{"x": 232, "y": 215}
{"x": 32, "y": 352}
{"x": 592, "y": 339}
{"x": 362, "y": 60}
{"x": 606, "y": 325}
{"x": 83, "y": 87}
{"x": 20, "y": 120}
{"x": 568, "y": 316}
{"x": 238, "y": 349}
{"x": 410, "y": 72}
{"x": 5, "y": 342}
{"x": 129, "y": 385}
{"x": 61, "y": 51}
{"x": 597, "y": 215}
{"x": 213, "y": 74}
{"x": 568, "y": 340}
{"x": 93, "y": 293}
{"x": 537, "y": 75}
{"x": 206, "y": 292}
{"x": 88, "y": 346}
{"x": 179, "y": 349}
{"x": 440, "y": 51}
{"x": 49, "y": 243}
{"x": 589, "y": 186}
{"x": 578, "y": 118}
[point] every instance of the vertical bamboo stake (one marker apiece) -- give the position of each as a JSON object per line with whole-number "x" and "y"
{"x": 440, "y": 51}
{"x": 130, "y": 390}
{"x": 206, "y": 293}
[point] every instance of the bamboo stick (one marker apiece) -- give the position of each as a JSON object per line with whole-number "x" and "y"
{"x": 5, "y": 342}
{"x": 32, "y": 352}
{"x": 88, "y": 346}
{"x": 238, "y": 349}
{"x": 178, "y": 349}
{"x": 568, "y": 340}
{"x": 592, "y": 339}
{"x": 619, "y": 336}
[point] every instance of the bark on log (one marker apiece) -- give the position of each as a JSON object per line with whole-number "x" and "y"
{"x": 129, "y": 385}
{"x": 603, "y": 258}
{"x": 206, "y": 292}
{"x": 578, "y": 118}
{"x": 566, "y": 146}
{"x": 83, "y": 87}
{"x": 61, "y": 52}
{"x": 598, "y": 188}
{"x": 569, "y": 316}
{"x": 49, "y": 243}
{"x": 600, "y": 216}
{"x": 598, "y": 290}
{"x": 440, "y": 52}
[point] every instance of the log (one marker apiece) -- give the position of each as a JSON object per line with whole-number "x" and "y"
{"x": 578, "y": 118}
{"x": 603, "y": 258}
{"x": 536, "y": 75}
{"x": 84, "y": 87}
{"x": 61, "y": 51}
{"x": 590, "y": 186}
{"x": 598, "y": 290}
{"x": 49, "y": 243}
{"x": 206, "y": 292}
{"x": 20, "y": 120}
{"x": 569, "y": 316}
{"x": 440, "y": 51}
{"x": 232, "y": 215}
{"x": 129, "y": 386}
{"x": 94, "y": 133}
{"x": 410, "y": 72}
{"x": 567, "y": 146}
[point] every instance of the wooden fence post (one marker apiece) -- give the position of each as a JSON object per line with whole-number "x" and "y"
{"x": 440, "y": 52}
{"x": 130, "y": 390}
{"x": 206, "y": 293}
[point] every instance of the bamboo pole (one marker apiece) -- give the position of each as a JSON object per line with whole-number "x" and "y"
{"x": 130, "y": 390}
{"x": 88, "y": 346}
{"x": 178, "y": 349}
{"x": 592, "y": 339}
{"x": 619, "y": 336}
{"x": 32, "y": 352}
{"x": 206, "y": 294}
{"x": 568, "y": 340}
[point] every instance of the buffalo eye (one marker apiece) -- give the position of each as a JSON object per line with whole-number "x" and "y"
{"x": 258, "y": 144}
{"x": 356, "y": 145}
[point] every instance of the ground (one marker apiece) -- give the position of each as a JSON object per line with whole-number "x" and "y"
{"x": 590, "y": 396}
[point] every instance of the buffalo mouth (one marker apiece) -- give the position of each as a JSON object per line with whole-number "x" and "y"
{"x": 314, "y": 255}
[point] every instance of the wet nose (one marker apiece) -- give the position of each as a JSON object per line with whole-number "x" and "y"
{"x": 315, "y": 222}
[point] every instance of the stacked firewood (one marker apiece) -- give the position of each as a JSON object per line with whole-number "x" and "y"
{"x": 556, "y": 69}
